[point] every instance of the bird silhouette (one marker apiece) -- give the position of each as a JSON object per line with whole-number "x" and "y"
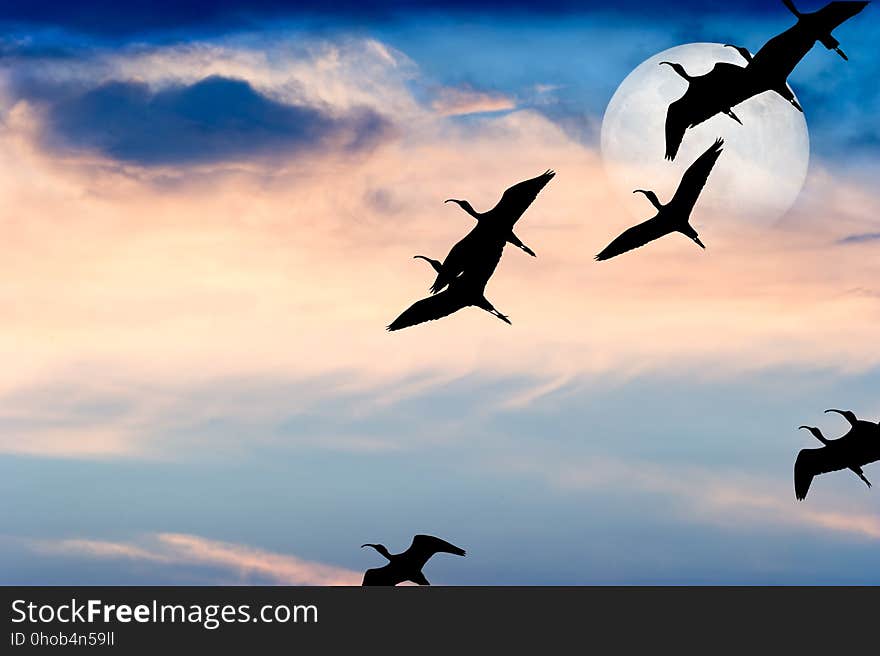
{"x": 818, "y": 435}
{"x": 728, "y": 85}
{"x": 675, "y": 215}
{"x": 706, "y": 96}
{"x": 468, "y": 289}
{"x": 493, "y": 226}
{"x": 407, "y": 566}
{"x": 858, "y": 447}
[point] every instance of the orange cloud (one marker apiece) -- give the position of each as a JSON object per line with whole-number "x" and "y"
{"x": 243, "y": 562}
{"x": 457, "y": 101}
{"x": 160, "y": 279}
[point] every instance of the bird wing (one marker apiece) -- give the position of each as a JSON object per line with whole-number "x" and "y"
{"x": 694, "y": 179}
{"x": 517, "y": 198}
{"x": 812, "y": 462}
{"x": 427, "y": 309}
{"x": 456, "y": 260}
{"x": 425, "y": 546}
{"x": 379, "y": 576}
{"x": 635, "y": 237}
{"x": 678, "y": 120}
{"x": 834, "y": 13}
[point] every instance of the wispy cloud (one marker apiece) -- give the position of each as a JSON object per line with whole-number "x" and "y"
{"x": 711, "y": 496}
{"x": 458, "y": 101}
{"x": 164, "y": 280}
{"x": 862, "y": 238}
{"x": 244, "y": 563}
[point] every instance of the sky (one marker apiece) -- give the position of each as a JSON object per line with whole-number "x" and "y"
{"x": 209, "y": 212}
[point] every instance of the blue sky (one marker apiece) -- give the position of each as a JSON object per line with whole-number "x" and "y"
{"x": 210, "y": 213}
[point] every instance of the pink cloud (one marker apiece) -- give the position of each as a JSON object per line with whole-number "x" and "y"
{"x": 163, "y": 279}
{"x": 457, "y": 101}
{"x": 241, "y": 561}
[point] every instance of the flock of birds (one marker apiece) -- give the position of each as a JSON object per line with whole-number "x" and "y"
{"x": 463, "y": 275}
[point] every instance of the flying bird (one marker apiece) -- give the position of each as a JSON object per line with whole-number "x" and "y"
{"x": 728, "y": 85}
{"x": 492, "y": 226}
{"x": 706, "y": 96}
{"x": 857, "y": 448}
{"x": 675, "y": 215}
{"x": 819, "y": 436}
{"x": 407, "y": 566}
{"x": 468, "y": 289}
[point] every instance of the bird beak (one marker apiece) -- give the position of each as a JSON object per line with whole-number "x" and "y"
{"x": 699, "y": 243}
{"x": 451, "y": 200}
{"x": 366, "y": 545}
{"x": 805, "y": 428}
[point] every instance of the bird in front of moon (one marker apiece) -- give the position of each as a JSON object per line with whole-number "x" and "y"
{"x": 765, "y": 161}
{"x": 727, "y": 84}
{"x": 675, "y": 215}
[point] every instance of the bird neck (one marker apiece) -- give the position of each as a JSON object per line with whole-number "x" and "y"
{"x": 678, "y": 68}
{"x": 817, "y": 434}
{"x": 382, "y": 550}
{"x": 466, "y": 206}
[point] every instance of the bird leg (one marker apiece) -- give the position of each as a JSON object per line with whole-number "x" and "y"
{"x": 488, "y": 307}
{"x": 513, "y": 239}
{"x": 730, "y": 113}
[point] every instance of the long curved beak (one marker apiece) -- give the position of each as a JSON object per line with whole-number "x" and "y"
{"x": 809, "y": 428}
{"x": 451, "y": 200}
{"x": 840, "y": 412}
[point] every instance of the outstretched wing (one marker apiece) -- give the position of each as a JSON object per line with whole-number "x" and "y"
{"x": 425, "y": 546}
{"x": 428, "y": 309}
{"x": 678, "y": 120}
{"x": 379, "y": 576}
{"x": 694, "y": 179}
{"x": 834, "y": 13}
{"x": 517, "y": 199}
{"x": 635, "y": 237}
{"x": 813, "y": 462}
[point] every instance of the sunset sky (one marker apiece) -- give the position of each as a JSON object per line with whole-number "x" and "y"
{"x": 209, "y": 212}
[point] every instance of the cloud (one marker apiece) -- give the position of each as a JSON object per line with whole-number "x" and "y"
{"x": 214, "y": 119}
{"x": 709, "y": 496}
{"x": 862, "y": 238}
{"x": 458, "y": 101}
{"x": 116, "y": 277}
{"x": 244, "y": 564}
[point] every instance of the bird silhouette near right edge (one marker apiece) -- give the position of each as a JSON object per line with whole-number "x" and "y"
{"x": 407, "y": 566}
{"x": 675, "y": 215}
{"x": 859, "y": 447}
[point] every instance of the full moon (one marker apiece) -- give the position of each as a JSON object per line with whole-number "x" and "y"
{"x": 761, "y": 171}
